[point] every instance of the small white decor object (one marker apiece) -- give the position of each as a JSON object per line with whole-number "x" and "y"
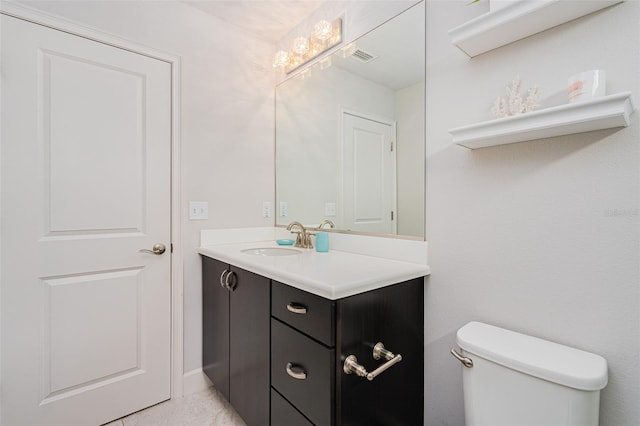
{"x": 586, "y": 86}
{"x": 514, "y": 104}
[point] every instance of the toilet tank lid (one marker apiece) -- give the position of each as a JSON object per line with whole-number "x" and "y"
{"x": 537, "y": 357}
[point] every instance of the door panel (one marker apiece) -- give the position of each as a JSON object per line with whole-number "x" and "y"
{"x": 81, "y": 192}
{"x": 368, "y": 175}
{"x": 81, "y": 355}
{"x": 85, "y": 179}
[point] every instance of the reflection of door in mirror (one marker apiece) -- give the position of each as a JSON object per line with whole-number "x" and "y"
{"x": 310, "y": 162}
{"x": 368, "y": 175}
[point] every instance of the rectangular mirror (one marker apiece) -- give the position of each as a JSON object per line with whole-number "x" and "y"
{"x": 350, "y": 135}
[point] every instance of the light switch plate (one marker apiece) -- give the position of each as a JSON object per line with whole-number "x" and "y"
{"x": 266, "y": 209}
{"x": 284, "y": 209}
{"x": 198, "y": 210}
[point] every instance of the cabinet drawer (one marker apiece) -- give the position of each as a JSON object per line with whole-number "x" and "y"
{"x": 311, "y": 314}
{"x": 293, "y": 353}
{"x": 283, "y": 413}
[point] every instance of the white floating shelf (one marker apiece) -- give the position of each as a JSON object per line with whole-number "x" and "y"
{"x": 519, "y": 20}
{"x": 602, "y": 113}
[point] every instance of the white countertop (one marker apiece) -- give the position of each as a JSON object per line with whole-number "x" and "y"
{"x": 333, "y": 275}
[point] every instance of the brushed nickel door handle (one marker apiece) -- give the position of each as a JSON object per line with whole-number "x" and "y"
{"x": 157, "y": 249}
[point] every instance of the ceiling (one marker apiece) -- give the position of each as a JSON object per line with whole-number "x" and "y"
{"x": 269, "y": 20}
{"x": 398, "y": 48}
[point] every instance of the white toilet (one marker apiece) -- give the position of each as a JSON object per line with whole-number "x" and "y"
{"x": 513, "y": 379}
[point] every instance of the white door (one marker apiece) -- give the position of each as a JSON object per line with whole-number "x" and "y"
{"x": 85, "y": 177}
{"x": 368, "y": 175}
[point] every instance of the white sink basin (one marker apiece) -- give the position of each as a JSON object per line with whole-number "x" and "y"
{"x": 271, "y": 251}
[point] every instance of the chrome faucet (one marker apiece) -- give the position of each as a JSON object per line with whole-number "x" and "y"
{"x": 303, "y": 238}
{"x": 326, "y": 222}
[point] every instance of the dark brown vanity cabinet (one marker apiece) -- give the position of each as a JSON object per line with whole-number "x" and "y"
{"x": 311, "y": 337}
{"x": 236, "y": 337}
{"x": 277, "y": 353}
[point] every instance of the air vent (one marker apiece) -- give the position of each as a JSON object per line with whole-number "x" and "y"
{"x": 363, "y": 56}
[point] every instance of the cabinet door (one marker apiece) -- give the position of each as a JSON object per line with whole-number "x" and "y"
{"x": 249, "y": 347}
{"x": 393, "y": 315}
{"x": 215, "y": 325}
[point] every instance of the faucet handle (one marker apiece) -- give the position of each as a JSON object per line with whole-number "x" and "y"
{"x": 299, "y": 241}
{"x": 309, "y": 243}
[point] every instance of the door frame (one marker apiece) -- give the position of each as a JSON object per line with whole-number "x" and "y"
{"x": 380, "y": 119}
{"x": 55, "y": 22}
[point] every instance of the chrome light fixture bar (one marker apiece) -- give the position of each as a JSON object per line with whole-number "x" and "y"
{"x": 303, "y": 49}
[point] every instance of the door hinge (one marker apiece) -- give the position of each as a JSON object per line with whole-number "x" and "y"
{"x": 391, "y": 146}
{"x": 171, "y": 245}
{"x": 391, "y": 214}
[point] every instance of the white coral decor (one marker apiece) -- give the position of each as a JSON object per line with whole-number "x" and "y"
{"x": 513, "y": 104}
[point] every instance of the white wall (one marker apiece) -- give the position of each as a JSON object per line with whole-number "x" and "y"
{"x": 227, "y": 120}
{"x": 540, "y": 237}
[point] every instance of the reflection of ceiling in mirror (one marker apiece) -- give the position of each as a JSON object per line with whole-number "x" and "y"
{"x": 395, "y": 66}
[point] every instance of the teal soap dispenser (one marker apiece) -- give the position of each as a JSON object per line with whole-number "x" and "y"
{"x": 322, "y": 242}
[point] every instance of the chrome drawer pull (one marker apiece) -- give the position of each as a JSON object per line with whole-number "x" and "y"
{"x": 223, "y": 277}
{"x": 296, "y": 308}
{"x": 299, "y": 375}
{"x": 230, "y": 281}
{"x": 351, "y": 364}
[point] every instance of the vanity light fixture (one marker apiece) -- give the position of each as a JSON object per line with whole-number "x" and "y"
{"x": 348, "y": 50}
{"x": 304, "y": 74}
{"x": 303, "y": 49}
{"x": 281, "y": 58}
{"x": 300, "y": 46}
{"x": 325, "y": 63}
{"x": 323, "y": 30}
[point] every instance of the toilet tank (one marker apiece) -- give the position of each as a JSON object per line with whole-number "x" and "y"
{"x": 523, "y": 380}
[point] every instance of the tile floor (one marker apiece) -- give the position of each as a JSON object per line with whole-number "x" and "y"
{"x": 205, "y": 408}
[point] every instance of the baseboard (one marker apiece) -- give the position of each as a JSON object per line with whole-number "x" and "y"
{"x": 195, "y": 381}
